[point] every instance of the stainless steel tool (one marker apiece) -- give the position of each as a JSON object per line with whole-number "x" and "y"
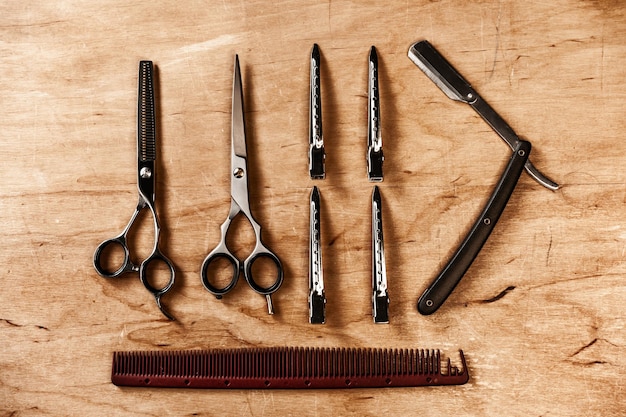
{"x": 375, "y": 155}
{"x": 443, "y": 74}
{"x": 380, "y": 297}
{"x": 239, "y": 204}
{"x": 317, "y": 154}
{"x": 439, "y": 70}
{"x": 317, "y": 295}
{"x": 146, "y": 185}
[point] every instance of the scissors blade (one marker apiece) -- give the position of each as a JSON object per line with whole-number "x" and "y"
{"x": 146, "y": 125}
{"x": 238, "y": 155}
{"x": 375, "y": 156}
{"x": 146, "y": 130}
{"x": 238, "y": 127}
{"x": 448, "y": 79}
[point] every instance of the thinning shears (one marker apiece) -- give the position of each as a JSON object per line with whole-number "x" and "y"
{"x": 146, "y": 158}
{"x": 239, "y": 204}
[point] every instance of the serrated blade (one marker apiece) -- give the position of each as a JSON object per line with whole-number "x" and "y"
{"x": 146, "y": 118}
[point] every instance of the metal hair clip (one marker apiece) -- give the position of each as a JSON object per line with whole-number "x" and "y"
{"x": 375, "y": 156}
{"x": 317, "y": 155}
{"x": 380, "y": 297}
{"x": 317, "y": 297}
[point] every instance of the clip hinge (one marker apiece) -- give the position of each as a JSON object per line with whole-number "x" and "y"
{"x": 375, "y": 160}
{"x": 317, "y": 156}
{"x": 317, "y": 308}
{"x": 381, "y": 308}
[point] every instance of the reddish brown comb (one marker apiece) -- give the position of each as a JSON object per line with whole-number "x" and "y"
{"x": 286, "y": 367}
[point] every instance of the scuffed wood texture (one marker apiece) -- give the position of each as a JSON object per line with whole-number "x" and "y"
{"x": 540, "y": 314}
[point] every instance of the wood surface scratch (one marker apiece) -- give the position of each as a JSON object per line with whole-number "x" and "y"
{"x": 499, "y": 296}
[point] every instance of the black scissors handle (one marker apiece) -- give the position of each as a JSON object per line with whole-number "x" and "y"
{"x": 222, "y": 252}
{"x": 122, "y": 241}
{"x": 144, "y": 276}
{"x": 127, "y": 265}
{"x": 217, "y": 254}
{"x": 262, "y": 252}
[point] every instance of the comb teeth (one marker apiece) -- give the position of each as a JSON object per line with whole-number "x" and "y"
{"x": 146, "y": 123}
{"x": 285, "y": 367}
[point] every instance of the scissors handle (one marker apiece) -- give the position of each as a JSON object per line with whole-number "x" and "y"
{"x": 126, "y": 266}
{"x": 262, "y": 252}
{"x": 221, "y": 252}
{"x": 144, "y": 276}
{"x": 121, "y": 241}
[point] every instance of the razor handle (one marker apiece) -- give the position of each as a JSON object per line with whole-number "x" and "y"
{"x": 457, "y": 266}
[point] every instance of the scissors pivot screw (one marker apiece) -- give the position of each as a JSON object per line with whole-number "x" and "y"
{"x": 145, "y": 173}
{"x": 238, "y": 172}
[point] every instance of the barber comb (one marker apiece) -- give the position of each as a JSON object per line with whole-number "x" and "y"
{"x": 286, "y": 368}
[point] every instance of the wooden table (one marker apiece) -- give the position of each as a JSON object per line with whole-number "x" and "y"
{"x": 540, "y": 313}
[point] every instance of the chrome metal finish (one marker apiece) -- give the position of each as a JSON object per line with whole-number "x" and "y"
{"x": 317, "y": 154}
{"x": 380, "y": 297}
{"x": 374, "y": 156}
{"x": 146, "y": 185}
{"x": 317, "y": 296}
{"x": 240, "y": 204}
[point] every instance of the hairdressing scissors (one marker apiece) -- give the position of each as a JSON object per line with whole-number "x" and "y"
{"x": 239, "y": 204}
{"x": 146, "y": 157}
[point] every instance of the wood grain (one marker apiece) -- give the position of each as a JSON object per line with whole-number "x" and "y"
{"x": 539, "y": 314}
